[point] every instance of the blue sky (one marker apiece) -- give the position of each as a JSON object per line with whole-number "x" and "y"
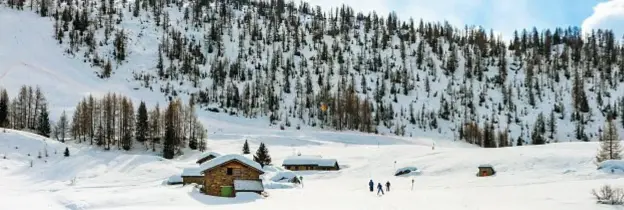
{"x": 503, "y": 16}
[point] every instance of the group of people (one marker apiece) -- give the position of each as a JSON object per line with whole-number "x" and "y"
{"x": 371, "y": 186}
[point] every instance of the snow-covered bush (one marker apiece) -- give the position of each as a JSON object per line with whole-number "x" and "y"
{"x": 609, "y": 195}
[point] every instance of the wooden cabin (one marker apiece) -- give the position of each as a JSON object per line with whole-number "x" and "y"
{"x": 226, "y": 175}
{"x": 486, "y": 170}
{"x": 205, "y": 157}
{"x": 192, "y": 175}
{"x": 310, "y": 163}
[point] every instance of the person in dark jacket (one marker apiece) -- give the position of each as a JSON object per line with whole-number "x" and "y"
{"x": 379, "y": 189}
{"x": 388, "y": 186}
{"x": 371, "y": 184}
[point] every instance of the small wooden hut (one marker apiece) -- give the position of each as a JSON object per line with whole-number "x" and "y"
{"x": 308, "y": 163}
{"x": 226, "y": 175}
{"x": 486, "y": 170}
{"x": 192, "y": 175}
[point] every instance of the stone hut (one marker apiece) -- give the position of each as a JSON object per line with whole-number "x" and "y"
{"x": 486, "y": 170}
{"x": 205, "y": 157}
{"x": 309, "y": 163}
{"x": 226, "y": 175}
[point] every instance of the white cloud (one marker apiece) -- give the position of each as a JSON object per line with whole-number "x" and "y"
{"x": 607, "y": 15}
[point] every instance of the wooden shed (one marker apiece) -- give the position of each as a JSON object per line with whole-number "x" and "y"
{"x": 228, "y": 174}
{"x": 486, "y": 170}
{"x": 192, "y": 175}
{"x": 308, "y": 163}
{"x": 205, "y": 157}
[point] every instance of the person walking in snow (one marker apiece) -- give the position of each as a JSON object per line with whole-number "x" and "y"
{"x": 388, "y": 186}
{"x": 379, "y": 189}
{"x": 371, "y": 184}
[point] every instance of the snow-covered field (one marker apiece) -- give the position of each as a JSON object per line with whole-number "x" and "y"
{"x": 557, "y": 176}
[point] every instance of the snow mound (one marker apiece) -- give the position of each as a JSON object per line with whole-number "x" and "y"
{"x": 612, "y": 166}
{"x": 406, "y": 171}
{"x": 284, "y": 176}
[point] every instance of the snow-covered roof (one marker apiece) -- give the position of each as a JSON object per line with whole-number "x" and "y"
{"x": 206, "y": 154}
{"x": 226, "y": 158}
{"x": 486, "y": 166}
{"x": 191, "y": 172}
{"x": 175, "y": 179}
{"x": 248, "y": 185}
{"x": 309, "y": 160}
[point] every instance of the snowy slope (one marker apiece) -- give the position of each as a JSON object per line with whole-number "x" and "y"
{"x": 537, "y": 177}
{"x": 62, "y": 76}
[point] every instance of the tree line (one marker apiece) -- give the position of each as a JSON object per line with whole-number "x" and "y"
{"x": 112, "y": 120}
{"x": 109, "y": 121}
{"x": 27, "y": 111}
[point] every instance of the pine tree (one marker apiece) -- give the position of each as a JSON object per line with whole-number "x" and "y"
{"x": 4, "y": 108}
{"x": 246, "y": 148}
{"x": 610, "y": 148}
{"x": 552, "y": 125}
{"x": 169, "y": 143}
{"x": 66, "y": 153}
{"x": 539, "y": 128}
{"x": 43, "y": 123}
{"x": 262, "y": 155}
{"x": 519, "y": 141}
{"x": 142, "y": 123}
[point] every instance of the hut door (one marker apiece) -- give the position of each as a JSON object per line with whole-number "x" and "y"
{"x": 227, "y": 191}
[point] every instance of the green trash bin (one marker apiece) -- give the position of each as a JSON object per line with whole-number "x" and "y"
{"x": 227, "y": 191}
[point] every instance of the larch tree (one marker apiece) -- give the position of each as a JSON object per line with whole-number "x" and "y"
{"x": 610, "y": 148}
{"x": 62, "y": 127}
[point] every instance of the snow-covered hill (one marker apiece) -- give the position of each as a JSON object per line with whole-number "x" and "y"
{"x": 536, "y": 177}
{"x": 409, "y": 78}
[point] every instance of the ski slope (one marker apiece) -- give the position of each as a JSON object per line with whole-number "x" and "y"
{"x": 557, "y": 176}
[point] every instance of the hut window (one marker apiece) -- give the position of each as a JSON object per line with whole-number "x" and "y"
{"x": 230, "y": 171}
